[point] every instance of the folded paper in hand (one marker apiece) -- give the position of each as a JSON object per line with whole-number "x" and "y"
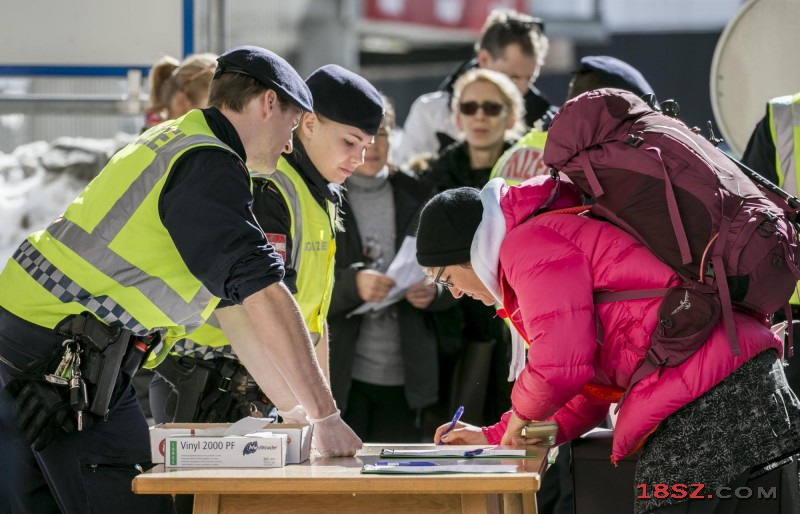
{"x": 404, "y": 270}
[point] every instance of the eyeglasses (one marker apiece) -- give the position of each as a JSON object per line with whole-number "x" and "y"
{"x": 489, "y": 108}
{"x": 447, "y": 284}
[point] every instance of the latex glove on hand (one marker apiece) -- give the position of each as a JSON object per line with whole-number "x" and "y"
{"x": 462, "y": 433}
{"x": 332, "y": 436}
{"x": 296, "y": 414}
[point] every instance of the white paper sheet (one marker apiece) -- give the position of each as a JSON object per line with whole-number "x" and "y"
{"x": 455, "y": 468}
{"x": 491, "y": 453}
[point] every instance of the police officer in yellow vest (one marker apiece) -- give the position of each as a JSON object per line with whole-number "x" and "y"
{"x": 141, "y": 258}
{"x": 774, "y": 146}
{"x": 774, "y": 152}
{"x": 297, "y": 207}
{"x": 524, "y": 160}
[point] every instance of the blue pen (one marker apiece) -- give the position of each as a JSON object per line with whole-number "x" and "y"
{"x": 473, "y": 453}
{"x": 456, "y": 417}
{"x": 411, "y": 463}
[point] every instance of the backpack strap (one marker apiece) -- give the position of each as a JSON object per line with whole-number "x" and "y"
{"x": 591, "y": 176}
{"x": 653, "y": 360}
{"x": 672, "y": 207}
{"x": 722, "y": 284}
{"x": 625, "y": 296}
{"x": 787, "y": 309}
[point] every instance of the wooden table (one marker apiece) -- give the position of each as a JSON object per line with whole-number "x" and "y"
{"x": 335, "y": 485}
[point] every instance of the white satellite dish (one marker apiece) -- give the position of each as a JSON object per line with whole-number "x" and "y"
{"x": 755, "y": 60}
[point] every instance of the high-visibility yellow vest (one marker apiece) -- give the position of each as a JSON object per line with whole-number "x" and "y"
{"x": 313, "y": 245}
{"x": 313, "y": 250}
{"x": 784, "y": 127}
{"x": 207, "y": 342}
{"x": 110, "y": 254}
{"x": 523, "y": 160}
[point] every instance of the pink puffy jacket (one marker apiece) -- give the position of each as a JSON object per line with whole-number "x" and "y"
{"x": 548, "y": 268}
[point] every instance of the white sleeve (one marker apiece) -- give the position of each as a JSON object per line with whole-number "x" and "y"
{"x": 425, "y": 119}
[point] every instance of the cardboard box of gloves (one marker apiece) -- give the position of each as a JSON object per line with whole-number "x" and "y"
{"x": 296, "y": 445}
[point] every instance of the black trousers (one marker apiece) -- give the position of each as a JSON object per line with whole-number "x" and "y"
{"x": 88, "y": 471}
{"x": 380, "y": 414}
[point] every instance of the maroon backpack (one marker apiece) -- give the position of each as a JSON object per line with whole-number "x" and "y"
{"x": 690, "y": 204}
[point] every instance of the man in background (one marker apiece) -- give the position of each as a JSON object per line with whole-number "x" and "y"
{"x": 511, "y": 43}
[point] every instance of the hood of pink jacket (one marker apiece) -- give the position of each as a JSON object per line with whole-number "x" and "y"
{"x": 582, "y": 355}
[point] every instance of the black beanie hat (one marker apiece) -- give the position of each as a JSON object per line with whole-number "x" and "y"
{"x": 447, "y": 225}
{"x": 346, "y": 97}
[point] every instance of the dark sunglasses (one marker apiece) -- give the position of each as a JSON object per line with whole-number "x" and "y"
{"x": 489, "y": 108}
{"x": 447, "y": 284}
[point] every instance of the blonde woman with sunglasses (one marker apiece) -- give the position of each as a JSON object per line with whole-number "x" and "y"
{"x": 488, "y": 111}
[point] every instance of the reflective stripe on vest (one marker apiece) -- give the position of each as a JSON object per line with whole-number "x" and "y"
{"x": 206, "y": 343}
{"x": 313, "y": 246}
{"x": 523, "y": 160}
{"x": 289, "y": 192}
{"x": 784, "y": 124}
{"x": 110, "y": 254}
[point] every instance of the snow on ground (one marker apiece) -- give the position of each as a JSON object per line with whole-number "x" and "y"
{"x": 39, "y": 180}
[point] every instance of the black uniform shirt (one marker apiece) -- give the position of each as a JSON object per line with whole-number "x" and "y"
{"x": 272, "y": 212}
{"x": 760, "y": 152}
{"x": 206, "y": 206}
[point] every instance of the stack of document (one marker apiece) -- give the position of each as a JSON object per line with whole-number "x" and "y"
{"x": 423, "y": 467}
{"x": 494, "y": 452}
{"x": 447, "y": 460}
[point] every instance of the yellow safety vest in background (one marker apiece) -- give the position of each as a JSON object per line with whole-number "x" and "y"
{"x": 784, "y": 127}
{"x": 523, "y": 160}
{"x": 110, "y": 254}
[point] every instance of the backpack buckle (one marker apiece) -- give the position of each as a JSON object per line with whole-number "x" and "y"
{"x": 634, "y": 141}
{"x": 769, "y": 226}
{"x": 654, "y": 358}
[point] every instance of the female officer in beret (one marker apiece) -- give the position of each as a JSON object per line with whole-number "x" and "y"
{"x": 298, "y": 204}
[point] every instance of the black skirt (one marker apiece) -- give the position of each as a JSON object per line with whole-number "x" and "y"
{"x": 749, "y": 419}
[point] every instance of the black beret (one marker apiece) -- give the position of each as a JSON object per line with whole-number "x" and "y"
{"x": 270, "y": 69}
{"x": 447, "y": 225}
{"x": 616, "y": 73}
{"x": 346, "y": 97}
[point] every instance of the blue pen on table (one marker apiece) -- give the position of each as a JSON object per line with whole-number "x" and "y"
{"x": 473, "y": 453}
{"x": 410, "y": 463}
{"x": 456, "y": 417}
